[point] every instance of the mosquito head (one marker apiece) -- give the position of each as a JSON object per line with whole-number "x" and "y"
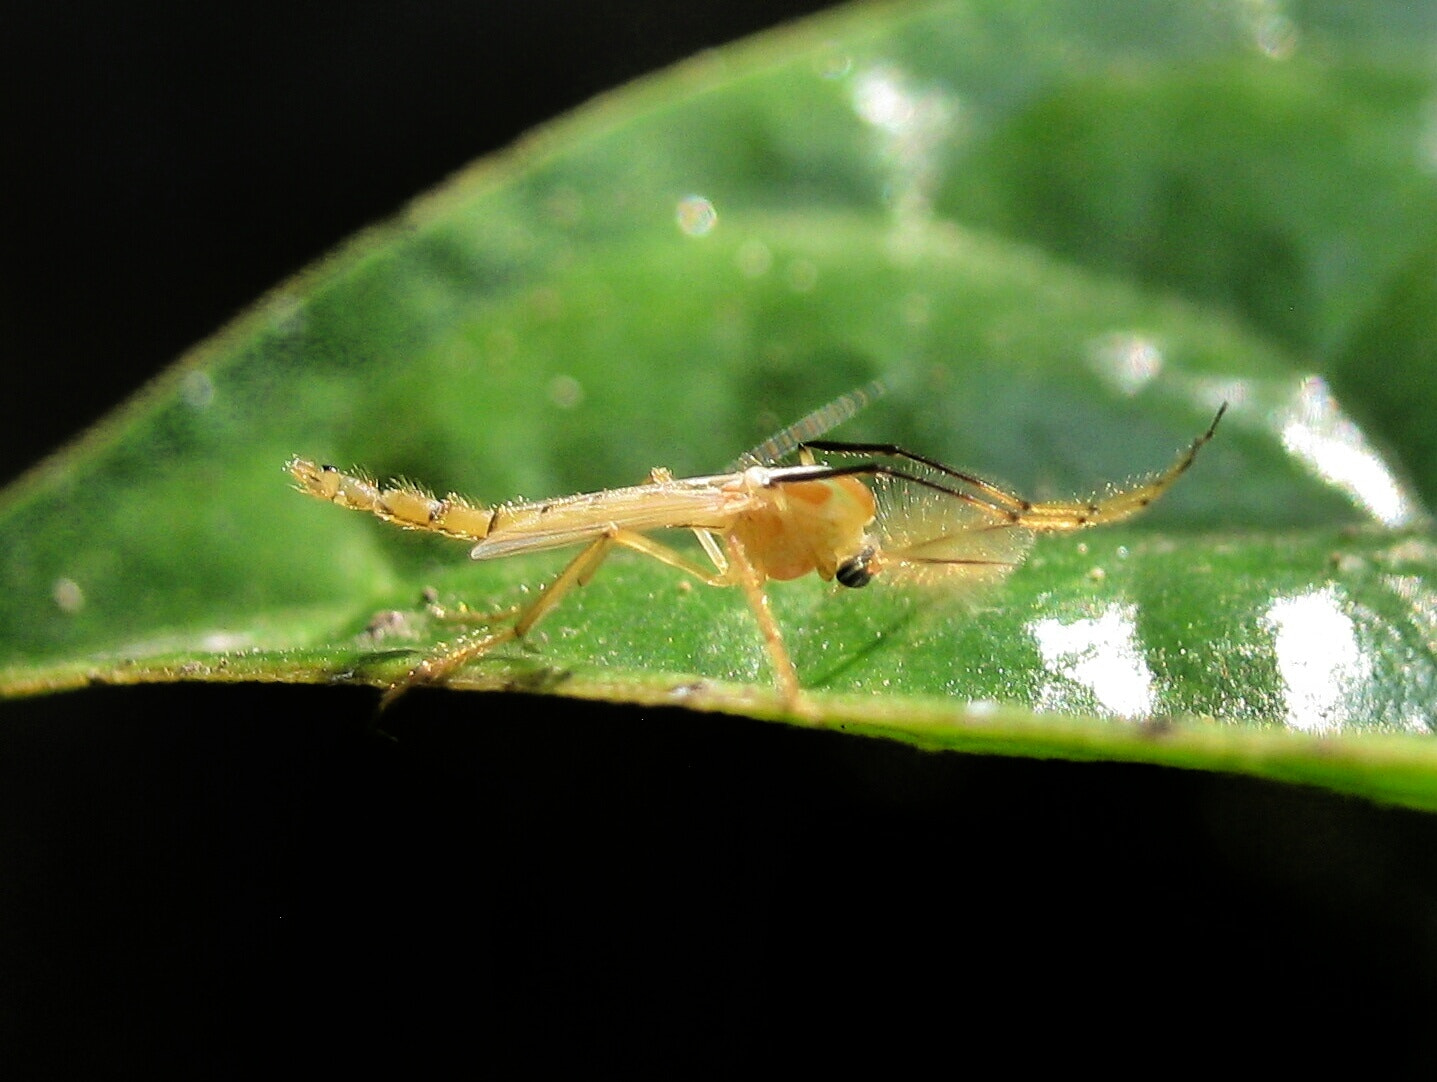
{"x": 857, "y": 571}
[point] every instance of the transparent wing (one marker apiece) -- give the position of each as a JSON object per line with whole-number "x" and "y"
{"x": 943, "y": 533}
{"x": 939, "y": 525}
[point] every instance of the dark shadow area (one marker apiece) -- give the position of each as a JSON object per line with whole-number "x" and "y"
{"x": 222, "y": 880}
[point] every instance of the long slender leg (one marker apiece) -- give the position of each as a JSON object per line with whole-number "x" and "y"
{"x": 784, "y": 673}
{"x": 578, "y": 572}
{"x": 437, "y": 667}
{"x": 892, "y": 450}
{"x": 1065, "y": 515}
{"x": 735, "y": 567}
{"x": 640, "y": 543}
{"x": 713, "y": 552}
{"x": 1055, "y": 515}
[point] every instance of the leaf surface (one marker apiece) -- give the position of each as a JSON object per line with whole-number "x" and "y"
{"x": 1060, "y": 234}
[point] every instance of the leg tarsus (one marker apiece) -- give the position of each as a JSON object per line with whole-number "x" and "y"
{"x": 437, "y": 667}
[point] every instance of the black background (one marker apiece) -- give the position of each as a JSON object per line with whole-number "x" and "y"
{"x": 228, "y": 880}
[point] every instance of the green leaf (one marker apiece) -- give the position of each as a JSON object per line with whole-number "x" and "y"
{"x": 1060, "y": 234}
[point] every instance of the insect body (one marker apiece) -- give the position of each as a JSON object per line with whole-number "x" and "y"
{"x": 873, "y": 511}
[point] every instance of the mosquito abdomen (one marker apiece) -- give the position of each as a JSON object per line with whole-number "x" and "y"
{"x": 403, "y": 504}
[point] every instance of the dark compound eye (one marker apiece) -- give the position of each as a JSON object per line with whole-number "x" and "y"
{"x": 853, "y": 572}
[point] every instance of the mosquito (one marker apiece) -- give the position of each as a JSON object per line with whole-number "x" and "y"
{"x": 868, "y": 511}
